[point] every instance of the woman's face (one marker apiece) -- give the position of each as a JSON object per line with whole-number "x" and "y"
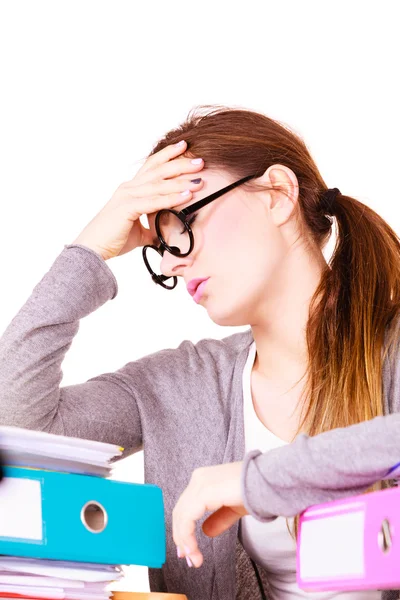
{"x": 237, "y": 247}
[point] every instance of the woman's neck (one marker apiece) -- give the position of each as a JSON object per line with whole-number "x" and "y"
{"x": 280, "y": 332}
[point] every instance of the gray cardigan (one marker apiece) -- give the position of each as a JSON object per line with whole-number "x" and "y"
{"x": 151, "y": 403}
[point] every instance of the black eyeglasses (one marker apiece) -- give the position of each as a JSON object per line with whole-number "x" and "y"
{"x": 171, "y": 224}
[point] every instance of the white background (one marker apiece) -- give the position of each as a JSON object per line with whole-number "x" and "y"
{"x": 88, "y": 87}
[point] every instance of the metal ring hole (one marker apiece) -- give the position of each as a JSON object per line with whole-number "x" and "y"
{"x": 385, "y": 536}
{"x": 94, "y": 517}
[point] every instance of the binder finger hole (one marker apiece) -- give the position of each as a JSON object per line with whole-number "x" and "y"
{"x": 94, "y": 516}
{"x": 385, "y": 536}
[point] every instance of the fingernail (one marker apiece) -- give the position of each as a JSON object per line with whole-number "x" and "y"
{"x": 180, "y": 143}
{"x": 195, "y": 180}
{"x": 178, "y": 552}
{"x": 196, "y": 161}
{"x": 189, "y": 562}
{"x": 185, "y": 193}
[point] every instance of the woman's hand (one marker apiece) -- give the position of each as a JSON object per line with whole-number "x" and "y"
{"x": 164, "y": 181}
{"x": 210, "y": 489}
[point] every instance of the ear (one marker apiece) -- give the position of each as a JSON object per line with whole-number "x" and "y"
{"x": 283, "y": 197}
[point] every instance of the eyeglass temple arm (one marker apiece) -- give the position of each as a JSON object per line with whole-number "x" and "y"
{"x": 197, "y": 205}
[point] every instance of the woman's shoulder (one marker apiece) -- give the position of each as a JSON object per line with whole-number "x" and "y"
{"x": 227, "y": 348}
{"x": 208, "y": 365}
{"x": 234, "y": 343}
{"x": 190, "y": 357}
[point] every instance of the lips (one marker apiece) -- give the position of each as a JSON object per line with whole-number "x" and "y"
{"x": 194, "y": 284}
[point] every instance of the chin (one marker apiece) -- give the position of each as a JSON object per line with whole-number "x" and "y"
{"x": 227, "y": 316}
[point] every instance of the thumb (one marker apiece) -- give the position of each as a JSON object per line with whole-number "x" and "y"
{"x": 221, "y": 520}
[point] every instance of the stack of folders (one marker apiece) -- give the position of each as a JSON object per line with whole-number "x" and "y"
{"x": 65, "y": 529}
{"x": 351, "y": 544}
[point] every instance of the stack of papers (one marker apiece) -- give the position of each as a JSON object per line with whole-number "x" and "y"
{"x": 34, "y": 578}
{"x": 41, "y": 450}
{"x": 27, "y": 578}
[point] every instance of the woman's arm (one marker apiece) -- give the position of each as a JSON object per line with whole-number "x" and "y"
{"x": 313, "y": 470}
{"x": 287, "y": 480}
{"x": 33, "y": 348}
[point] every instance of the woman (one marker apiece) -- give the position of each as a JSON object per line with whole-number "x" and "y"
{"x": 261, "y": 424}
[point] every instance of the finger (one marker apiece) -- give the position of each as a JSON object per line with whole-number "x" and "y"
{"x": 146, "y": 206}
{"x": 169, "y": 152}
{"x": 194, "y": 558}
{"x": 176, "y": 167}
{"x": 167, "y": 186}
{"x": 152, "y": 204}
{"x": 184, "y": 528}
{"x": 220, "y": 521}
{"x": 184, "y": 531}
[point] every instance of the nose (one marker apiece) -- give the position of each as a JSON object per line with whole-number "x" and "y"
{"x": 174, "y": 265}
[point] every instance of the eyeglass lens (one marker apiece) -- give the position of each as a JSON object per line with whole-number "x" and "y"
{"x": 175, "y": 236}
{"x": 173, "y": 231}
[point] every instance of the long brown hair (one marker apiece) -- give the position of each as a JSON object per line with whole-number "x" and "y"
{"x": 358, "y": 296}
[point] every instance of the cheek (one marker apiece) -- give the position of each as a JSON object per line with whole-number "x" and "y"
{"x": 245, "y": 254}
{"x": 223, "y": 238}
{"x": 235, "y": 241}
{"x": 228, "y": 228}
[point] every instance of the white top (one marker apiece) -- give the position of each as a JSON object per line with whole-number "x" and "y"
{"x": 270, "y": 544}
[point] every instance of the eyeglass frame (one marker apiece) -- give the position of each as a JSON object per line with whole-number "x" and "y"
{"x": 182, "y": 216}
